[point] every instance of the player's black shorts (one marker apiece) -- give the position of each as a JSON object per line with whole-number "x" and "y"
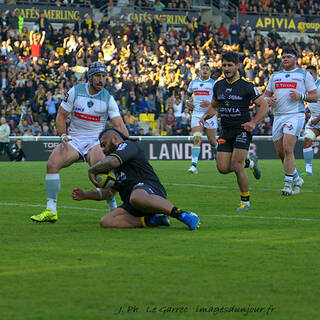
{"x": 231, "y": 138}
{"x": 159, "y": 191}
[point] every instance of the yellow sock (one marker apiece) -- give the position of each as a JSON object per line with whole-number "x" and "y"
{"x": 245, "y": 196}
{"x": 143, "y": 222}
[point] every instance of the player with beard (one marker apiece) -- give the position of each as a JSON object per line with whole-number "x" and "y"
{"x": 286, "y": 93}
{"x": 143, "y": 196}
{"x": 232, "y": 97}
{"x": 89, "y": 106}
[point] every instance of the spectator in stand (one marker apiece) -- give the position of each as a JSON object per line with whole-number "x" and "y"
{"x": 243, "y": 7}
{"x": 43, "y": 23}
{"x": 142, "y": 105}
{"x": 223, "y": 30}
{"x": 36, "y": 42}
{"x": 4, "y": 136}
{"x": 158, "y": 6}
{"x": 234, "y": 31}
{"x": 36, "y": 128}
{"x": 51, "y": 106}
{"x": 13, "y": 22}
{"x": 23, "y": 127}
{"x": 170, "y": 123}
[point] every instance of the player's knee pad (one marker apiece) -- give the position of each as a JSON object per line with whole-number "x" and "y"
{"x": 309, "y": 134}
{"x": 197, "y": 137}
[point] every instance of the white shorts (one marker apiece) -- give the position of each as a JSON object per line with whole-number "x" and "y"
{"x": 83, "y": 145}
{"x": 287, "y": 124}
{"x": 211, "y": 123}
{"x": 310, "y": 126}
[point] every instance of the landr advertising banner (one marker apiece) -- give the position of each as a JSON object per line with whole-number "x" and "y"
{"x": 282, "y": 23}
{"x": 162, "y": 150}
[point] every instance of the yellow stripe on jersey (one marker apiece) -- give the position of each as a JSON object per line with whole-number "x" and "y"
{"x": 115, "y": 155}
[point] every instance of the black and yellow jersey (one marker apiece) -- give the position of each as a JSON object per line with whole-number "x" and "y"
{"x": 234, "y": 100}
{"x": 134, "y": 169}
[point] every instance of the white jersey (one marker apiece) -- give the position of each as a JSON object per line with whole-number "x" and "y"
{"x": 314, "y": 107}
{"x": 282, "y": 82}
{"x": 89, "y": 113}
{"x": 201, "y": 90}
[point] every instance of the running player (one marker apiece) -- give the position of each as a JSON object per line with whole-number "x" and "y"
{"x": 90, "y": 105}
{"x": 232, "y": 96}
{"x": 202, "y": 89}
{"x": 143, "y": 196}
{"x": 286, "y": 92}
{"x": 312, "y": 129}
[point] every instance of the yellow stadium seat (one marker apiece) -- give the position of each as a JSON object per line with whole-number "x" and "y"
{"x": 143, "y": 117}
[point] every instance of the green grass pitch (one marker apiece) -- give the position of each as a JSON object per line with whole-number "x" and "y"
{"x": 261, "y": 264}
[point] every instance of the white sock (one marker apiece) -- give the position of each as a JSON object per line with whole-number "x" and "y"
{"x": 52, "y": 190}
{"x": 112, "y": 203}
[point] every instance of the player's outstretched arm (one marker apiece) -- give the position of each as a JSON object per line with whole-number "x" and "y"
{"x": 97, "y": 194}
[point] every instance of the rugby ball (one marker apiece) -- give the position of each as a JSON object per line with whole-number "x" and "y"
{"x": 106, "y": 180}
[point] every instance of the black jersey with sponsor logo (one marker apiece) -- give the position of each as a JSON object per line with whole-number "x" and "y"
{"x": 234, "y": 100}
{"x": 134, "y": 169}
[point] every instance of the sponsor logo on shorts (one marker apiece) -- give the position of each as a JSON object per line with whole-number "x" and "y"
{"x": 242, "y": 137}
{"x": 221, "y": 141}
{"x": 289, "y": 126}
{"x": 286, "y": 85}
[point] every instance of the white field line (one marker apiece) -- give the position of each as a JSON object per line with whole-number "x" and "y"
{"x": 205, "y": 215}
{"x": 222, "y": 187}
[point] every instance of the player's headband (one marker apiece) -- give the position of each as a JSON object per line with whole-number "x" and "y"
{"x": 289, "y": 54}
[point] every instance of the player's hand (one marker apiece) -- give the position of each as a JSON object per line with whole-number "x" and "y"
{"x": 92, "y": 178}
{"x": 271, "y": 101}
{"x": 190, "y": 104}
{"x": 205, "y": 104}
{"x": 314, "y": 122}
{"x": 249, "y": 126}
{"x": 294, "y": 95}
{"x": 65, "y": 138}
{"x": 205, "y": 117}
{"x": 77, "y": 194}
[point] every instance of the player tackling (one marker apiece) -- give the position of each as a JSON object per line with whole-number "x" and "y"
{"x": 90, "y": 105}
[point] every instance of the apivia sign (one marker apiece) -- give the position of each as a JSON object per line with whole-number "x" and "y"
{"x": 282, "y": 23}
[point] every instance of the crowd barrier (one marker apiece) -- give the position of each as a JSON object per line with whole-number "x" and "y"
{"x": 155, "y": 147}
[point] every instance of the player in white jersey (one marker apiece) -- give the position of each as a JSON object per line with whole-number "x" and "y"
{"x": 202, "y": 89}
{"x": 286, "y": 92}
{"x": 89, "y": 105}
{"x": 312, "y": 129}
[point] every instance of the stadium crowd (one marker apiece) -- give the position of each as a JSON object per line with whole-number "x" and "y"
{"x": 149, "y": 67}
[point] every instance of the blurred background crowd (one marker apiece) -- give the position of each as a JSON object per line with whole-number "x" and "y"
{"x": 149, "y": 64}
